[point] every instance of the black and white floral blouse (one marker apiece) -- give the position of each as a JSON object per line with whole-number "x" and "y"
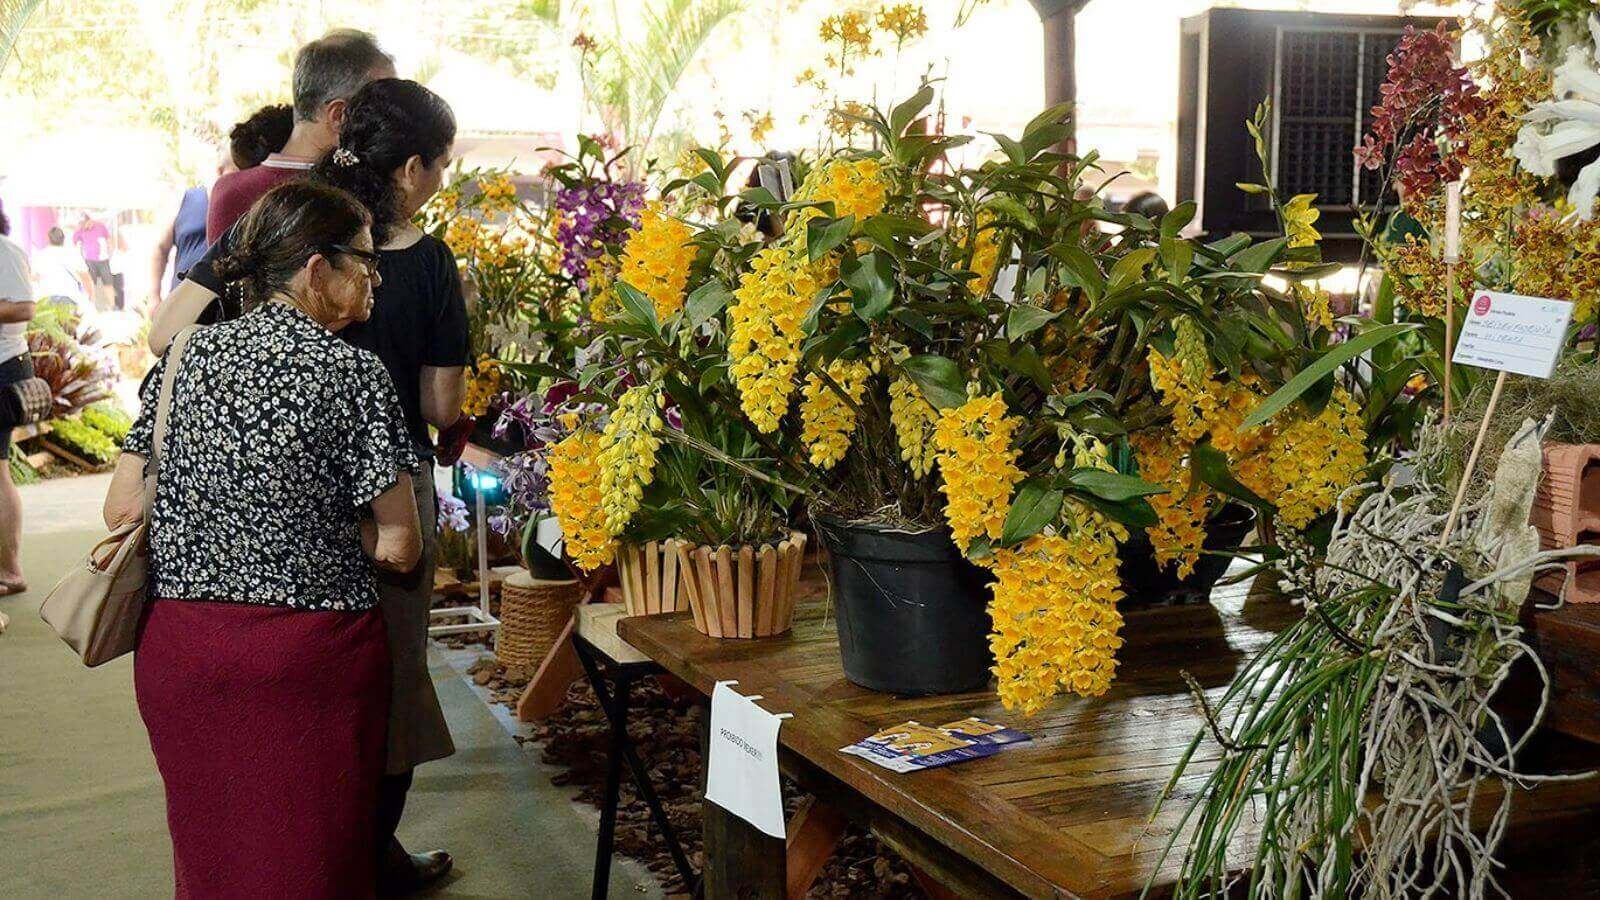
{"x": 279, "y": 435}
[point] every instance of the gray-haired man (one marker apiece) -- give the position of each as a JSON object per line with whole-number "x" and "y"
{"x": 327, "y": 72}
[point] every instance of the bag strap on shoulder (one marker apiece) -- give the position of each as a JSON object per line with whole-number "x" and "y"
{"x": 169, "y": 378}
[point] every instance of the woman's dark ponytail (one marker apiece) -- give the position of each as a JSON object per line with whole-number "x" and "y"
{"x": 385, "y": 124}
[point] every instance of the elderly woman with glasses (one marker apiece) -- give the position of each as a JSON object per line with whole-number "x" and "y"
{"x": 284, "y": 485}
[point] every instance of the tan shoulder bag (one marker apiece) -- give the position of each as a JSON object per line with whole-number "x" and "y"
{"x": 97, "y": 605}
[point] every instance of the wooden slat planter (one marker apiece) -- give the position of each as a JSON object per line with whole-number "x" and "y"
{"x": 743, "y": 592}
{"x": 651, "y": 583}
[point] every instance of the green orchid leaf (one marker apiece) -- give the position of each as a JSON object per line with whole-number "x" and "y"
{"x": 823, "y": 234}
{"x": 1035, "y": 506}
{"x": 871, "y": 282}
{"x": 1322, "y": 368}
{"x": 939, "y": 378}
{"x": 1111, "y": 486}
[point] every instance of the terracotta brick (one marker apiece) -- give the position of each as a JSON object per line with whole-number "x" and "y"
{"x": 1566, "y": 510}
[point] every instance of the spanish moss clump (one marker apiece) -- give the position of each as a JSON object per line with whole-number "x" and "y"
{"x": 1570, "y": 399}
{"x": 1354, "y": 746}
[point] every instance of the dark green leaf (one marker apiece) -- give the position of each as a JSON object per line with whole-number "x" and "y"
{"x": 1210, "y": 465}
{"x": 1134, "y": 513}
{"x": 1080, "y": 270}
{"x": 1024, "y": 320}
{"x": 1322, "y": 368}
{"x": 1260, "y": 257}
{"x": 1181, "y": 215}
{"x": 824, "y": 234}
{"x": 1111, "y": 485}
{"x": 871, "y": 281}
{"x": 1035, "y": 506}
{"x": 907, "y": 112}
{"x": 939, "y": 378}
{"x": 638, "y": 307}
{"x": 915, "y": 321}
{"x": 706, "y": 301}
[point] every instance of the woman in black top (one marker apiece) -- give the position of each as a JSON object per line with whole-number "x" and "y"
{"x": 393, "y": 151}
{"x": 262, "y": 668}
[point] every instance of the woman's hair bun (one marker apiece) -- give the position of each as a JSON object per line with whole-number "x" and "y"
{"x": 231, "y": 267}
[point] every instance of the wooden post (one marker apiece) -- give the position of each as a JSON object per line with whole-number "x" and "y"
{"x": 741, "y": 861}
{"x": 1059, "y": 18}
{"x": 1452, "y": 256}
{"x": 1472, "y": 461}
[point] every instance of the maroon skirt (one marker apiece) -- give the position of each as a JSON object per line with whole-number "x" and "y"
{"x": 268, "y": 726}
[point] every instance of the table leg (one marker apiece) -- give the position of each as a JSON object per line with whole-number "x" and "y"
{"x": 741, "y": 861}
{"x": 615, "y": 706}
{"x": 613, "y": 796}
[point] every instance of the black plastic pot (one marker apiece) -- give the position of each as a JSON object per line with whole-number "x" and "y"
{"x": 1147, "y": 584}
{"x": 913, "y": 617}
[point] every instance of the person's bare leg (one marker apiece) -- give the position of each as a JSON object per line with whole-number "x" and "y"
{"x": 11, "y": 580}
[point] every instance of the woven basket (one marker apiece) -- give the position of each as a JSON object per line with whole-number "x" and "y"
{"x": 650, "y": 579}
{"x": 741, "y": 592}
{"x": 532, "y": 614}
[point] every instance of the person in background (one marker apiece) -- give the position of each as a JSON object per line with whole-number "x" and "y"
{"x": 258, "y": 137}
{"x": 327, "y": 72}
{"x": 16, "y": 308}
{"x": 59, "y": 274}
{"x": 262, "y": 669}
{"x": 182, "y": 242}
{"x": 93, "y": 240}
{"x": 392, "y": 154}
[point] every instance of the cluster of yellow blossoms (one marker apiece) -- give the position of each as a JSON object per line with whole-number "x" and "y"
{"x": 499, "y": 193}
{"x": 1299, "y": 463}
{"x": 1300, "y": 220}
{"x": 1182, "y": 511}
{"x": 627, "y": 460}
{"x": 985, "y": 255}
{"x": 1314, "y": 458}
{"x": 913, "y": 418}
{"x": 598, "y": 479}
{"x": 770, "y": 305}
{"x": 905, "y": 21}
{"x": 827, "y": 419}
{"x": 482, "y": 386}
{"x": 979, "y": 464}
{"x": 1056, "y": 625}
{"x": 855, "y": 187}
{"x": 576, "y": 499}
{"x": 656, "y": 259}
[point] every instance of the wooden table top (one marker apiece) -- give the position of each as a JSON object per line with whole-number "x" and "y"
{"x": 1067, "y": 814}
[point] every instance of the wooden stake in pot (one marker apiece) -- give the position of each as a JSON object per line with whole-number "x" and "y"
{"x": 1452, "y": 256}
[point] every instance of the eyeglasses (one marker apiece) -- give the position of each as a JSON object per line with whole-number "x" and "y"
{"x": 369, "y": 259}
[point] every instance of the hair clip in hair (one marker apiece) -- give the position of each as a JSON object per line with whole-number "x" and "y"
{"x": 344, "y": 157}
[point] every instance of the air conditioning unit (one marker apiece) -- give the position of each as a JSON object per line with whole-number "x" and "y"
{"x": 1321, "y": 72}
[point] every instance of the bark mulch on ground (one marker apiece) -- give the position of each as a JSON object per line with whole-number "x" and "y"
{"x": 665, "y": 729}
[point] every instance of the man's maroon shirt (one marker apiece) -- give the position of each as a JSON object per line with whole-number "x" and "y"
{"x": 235, "y": 192}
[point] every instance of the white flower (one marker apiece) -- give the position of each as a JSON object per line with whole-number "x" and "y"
{"x": 1567, "y": 125}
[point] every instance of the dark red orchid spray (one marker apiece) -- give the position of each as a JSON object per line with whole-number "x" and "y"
{"x": 1421, "y": 122}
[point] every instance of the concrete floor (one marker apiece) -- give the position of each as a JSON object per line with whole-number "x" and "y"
{"x": 81, "y": 808}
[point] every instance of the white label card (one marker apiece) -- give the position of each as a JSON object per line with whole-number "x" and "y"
{"x": 742, "y": 769}
{"x": 1513, "y": 333}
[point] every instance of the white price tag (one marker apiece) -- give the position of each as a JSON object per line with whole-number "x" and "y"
{"x": 742, "y": 768}
{"x": 1513, "y": 333}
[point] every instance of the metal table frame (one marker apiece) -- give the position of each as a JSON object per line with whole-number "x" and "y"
{"x": 604, "y": 673}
